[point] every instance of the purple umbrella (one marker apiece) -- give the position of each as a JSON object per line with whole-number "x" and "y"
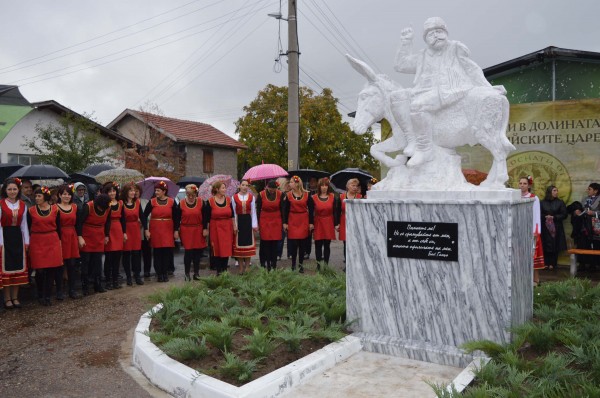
{"x": 205, "y": 189}
{"x": 148, "y": 187}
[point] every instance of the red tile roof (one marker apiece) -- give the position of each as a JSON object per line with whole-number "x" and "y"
{"x": 190, "y": 131}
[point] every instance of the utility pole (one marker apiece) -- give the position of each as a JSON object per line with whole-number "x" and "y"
{"x": 293, "y": 90}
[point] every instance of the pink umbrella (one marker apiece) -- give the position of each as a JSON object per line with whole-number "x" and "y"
{"x": 148, "y": 187}
{"x": 205, "y": 189}
{"x": 265, "y": 172}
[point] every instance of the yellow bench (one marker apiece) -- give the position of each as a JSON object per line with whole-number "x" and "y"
{"x": 574, "y": 252}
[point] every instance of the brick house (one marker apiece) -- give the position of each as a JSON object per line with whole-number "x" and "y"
{"x": 188, "y": 147}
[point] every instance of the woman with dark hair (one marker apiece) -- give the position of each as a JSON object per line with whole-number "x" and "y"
{"x": 220, "y": 222}
{"x": 326, "y": 220}
{"x": 118, "y": 235}
{"x": 525, "y": 184}
{"x": 45, "y": 251}
{"x": 14, "y": 242}
{"x": 193, "y": 241}
{"x": 298, "y": 219}
{"x": 269, "y": 211}
{"x": 93, "y": 230}
{"x": 352, "y": 192}
{"x": 132, "y": 246}
{"x": 553, "y": 212}
{"x": 162, "y": 231}
{"x": 68, "y": 239}
{"x": 244, "y": 207}
{"x": 583, "y": 215}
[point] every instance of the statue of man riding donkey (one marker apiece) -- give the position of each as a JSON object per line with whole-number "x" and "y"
{"x": 451, "y": 104}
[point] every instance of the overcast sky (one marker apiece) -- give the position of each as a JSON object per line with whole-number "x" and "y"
{"x": 204, "y": 60}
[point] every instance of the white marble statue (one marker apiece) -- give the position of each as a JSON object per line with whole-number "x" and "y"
{"x": 451, "y": 104}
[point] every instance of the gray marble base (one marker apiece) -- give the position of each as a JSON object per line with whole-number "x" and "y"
{"x": 425, "y": 309}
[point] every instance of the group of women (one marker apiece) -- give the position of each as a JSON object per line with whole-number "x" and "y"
{"x": 548, "y": 217}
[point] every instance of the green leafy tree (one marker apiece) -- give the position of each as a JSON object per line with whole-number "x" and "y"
{"x": 72, "y": 144}
{"x": 326, "y": 142}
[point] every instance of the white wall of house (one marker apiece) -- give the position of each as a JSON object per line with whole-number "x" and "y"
{"x": 25, "y": 129}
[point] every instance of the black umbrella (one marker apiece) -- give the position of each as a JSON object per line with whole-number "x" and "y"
{"x": 97, "y": 168}
{"x": 40, "y": 172}
{"x": 6, "y": 169}
{"x": 340, "y": 178}
{"x": 307, "y": 174}
{"x": 185, "y": 180}
{"x": 83, "y": 177}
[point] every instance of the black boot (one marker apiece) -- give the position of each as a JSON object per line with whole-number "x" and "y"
{"x": 165, "y": 278}
{"x": 84, "y": 285}
{"x": 293, "y": 265}
{"x": 138, "y": 280}
{"x": 196, "y": 277}
{"x": 301, "y": 270}
{"x": 71, "y": 275}
{"x": 117, "y": 285}
{"x": 98, "y": 286}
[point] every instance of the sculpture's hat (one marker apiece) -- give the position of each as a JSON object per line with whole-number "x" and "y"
{"x": 433, "y": 23}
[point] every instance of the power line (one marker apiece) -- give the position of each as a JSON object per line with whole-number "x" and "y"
{"x": 217, "y": 44}
{"x": 104, "y": 35}
{"x": 171, "y": 76}
{"x": 214, "y": 63}
{"x": 121, "y": 51}
{"x": 358, "y": 49}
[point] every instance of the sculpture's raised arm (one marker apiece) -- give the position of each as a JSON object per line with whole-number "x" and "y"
{"x": 406, "y": 61}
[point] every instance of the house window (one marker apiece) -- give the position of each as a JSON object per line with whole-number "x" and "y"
{"x": 25, "y": 160}
{"x": 208, "y": 163}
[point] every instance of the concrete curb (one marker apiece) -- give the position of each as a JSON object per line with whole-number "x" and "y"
{"x": 182, "y": 381}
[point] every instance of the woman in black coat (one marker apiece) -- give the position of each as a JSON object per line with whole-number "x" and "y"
{"x": 554, "y": 212}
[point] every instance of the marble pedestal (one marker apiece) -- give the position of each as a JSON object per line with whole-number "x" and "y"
{"x": 425, "y": 309}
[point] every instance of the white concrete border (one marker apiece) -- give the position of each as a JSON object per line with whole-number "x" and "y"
{"x": 465, "y": 377}
{"x": 184, "y": 382}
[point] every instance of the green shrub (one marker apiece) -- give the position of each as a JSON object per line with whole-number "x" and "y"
{"x": 185, "y": 348}
{"x": 235, "y": 368}
{"x": 260, "y": 345}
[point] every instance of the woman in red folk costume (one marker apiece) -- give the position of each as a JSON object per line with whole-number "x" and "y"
{"x": 525, "y": 184}
{"x": 93, "y": 229}
{"x": 244, "y": 207}
{"x": 191, "y": 228}
{"x": 132, "y": 247}
{"x": 298, "y": 219}
{"x": 113, "y": 249}
{"x": 68, "y": 238}
{"x": 326, "y": 220}
{"x": 352, "y": 192}
{"x": 220, "y": 224}
{"x": 269, "y": 211}
{"x": 162, "y": 232}
{"x": 45, "y": 251}
{"x": 14, "y": 242}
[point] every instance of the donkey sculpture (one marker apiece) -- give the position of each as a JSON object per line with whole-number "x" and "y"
{"x": 480, "y": 118}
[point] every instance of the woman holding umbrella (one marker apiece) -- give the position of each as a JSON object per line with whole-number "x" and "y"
{"x": 298, "y": 219}
{"x": 269, "y": 210}
{"x": 45, "y": 251}
{"x": 326, "y": 220}
{"x": 352, "y": 192}
{"x": 113, "y": 249}
{"x": 162, "y": 231}
{"x": 191, "y": 230}
{"x": 14, "y": 242}
{"x": 68, "y": 236}
{"x": 220, "y": 224}
{"x": 244, "y": 208}
{"x": 132, "y": 247}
